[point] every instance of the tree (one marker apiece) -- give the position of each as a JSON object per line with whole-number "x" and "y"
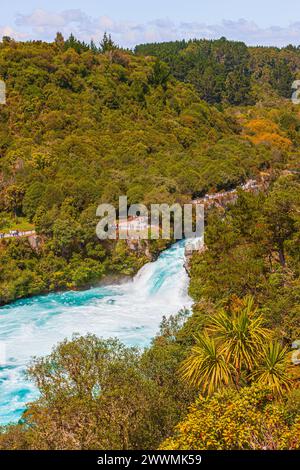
{"x": 59, "y": 40}
{"x": 231, "y": 350}
{"x": 13, "y": 198}
{"x": 206, "y": 366}
{"x": 107, "y": 44}
{"x": 93, "y": 395}
{"x": 272, "y": 370}
{"x": 160, "y": 74}
{"x": 280, "y": 213}
{"x": 282, "y": 78}
{"x": 232, "y": 420}
{"x": 6, "y": 40}
{"x": 242, "y": 335}
{"x": 237, "y": 87}
{"x": 99, "y": 394}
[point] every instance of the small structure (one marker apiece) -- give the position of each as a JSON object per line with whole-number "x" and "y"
{"x": 135, "y": 227}
{"x": 17, "y": 234}
{"x": 134, "y": 224}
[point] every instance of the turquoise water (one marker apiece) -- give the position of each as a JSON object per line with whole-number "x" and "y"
{"x": 132, "y": 312}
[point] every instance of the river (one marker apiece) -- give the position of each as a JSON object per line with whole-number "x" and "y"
{"x": 131, "y": 311}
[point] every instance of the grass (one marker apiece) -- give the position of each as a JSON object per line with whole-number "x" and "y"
{"x": 20, "y": 224}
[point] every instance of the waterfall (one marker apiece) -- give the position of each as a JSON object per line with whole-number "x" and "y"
{"x": 131, "y": 311}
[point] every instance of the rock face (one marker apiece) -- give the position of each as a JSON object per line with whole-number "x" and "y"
{"x": 140, "y": 246}
{"x": 188, "y": 256}
{"x": 34, "y": 242}
{"x": 221, "y": 199}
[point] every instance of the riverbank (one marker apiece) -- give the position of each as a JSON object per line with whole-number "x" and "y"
{"x": 135, "y": 254}
{"x": 143, "y": 256}
{"x": 131, "y": 311}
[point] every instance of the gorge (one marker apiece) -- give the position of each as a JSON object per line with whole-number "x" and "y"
{"x": 131, "y": 311}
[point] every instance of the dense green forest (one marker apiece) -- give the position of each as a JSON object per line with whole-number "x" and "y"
{"x": 68, "y": 143}
{"x": 228, "y": 72}
{"x": 168, "y": 122}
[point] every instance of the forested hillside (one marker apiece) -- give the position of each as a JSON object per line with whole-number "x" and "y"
{"x": 226, "y": 71}
{"x": 68, "y": 143}
{"x": 168, "y": 122}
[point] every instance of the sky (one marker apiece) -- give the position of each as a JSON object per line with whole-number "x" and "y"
{"x": 130, "y": 22}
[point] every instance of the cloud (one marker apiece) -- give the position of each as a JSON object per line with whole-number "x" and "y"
{"x": 40, "y": 19}
{"x": 8, "y": 31}
{"x": 41, "y": 24}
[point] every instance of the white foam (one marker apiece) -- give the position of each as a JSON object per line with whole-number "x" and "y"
{"x": 132, "y": 312}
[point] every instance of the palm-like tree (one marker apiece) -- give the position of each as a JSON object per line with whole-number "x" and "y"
{"x": 206, "y": 366}
{"x": 231, "y": 347}
{"x": 271, "y": 371}
{"x": 242, "y": 335}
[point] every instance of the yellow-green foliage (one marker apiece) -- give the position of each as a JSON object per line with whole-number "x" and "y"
{"x": 231, "y": 420}
{"x": 86, "y": 124}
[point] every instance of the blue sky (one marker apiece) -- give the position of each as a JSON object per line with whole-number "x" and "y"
{"x": 132, "y": 21}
